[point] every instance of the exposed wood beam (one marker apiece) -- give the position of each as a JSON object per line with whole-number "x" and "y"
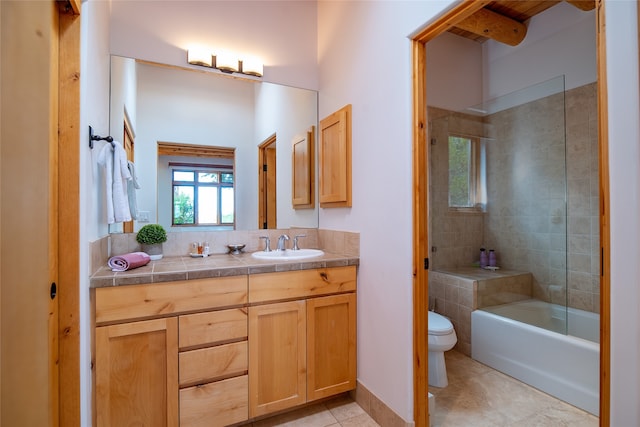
{"x": 495, "y": 26}
{"x": 585, "y": 5}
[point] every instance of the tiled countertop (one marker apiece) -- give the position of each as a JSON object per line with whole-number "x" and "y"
{"x": 170, "y": 269}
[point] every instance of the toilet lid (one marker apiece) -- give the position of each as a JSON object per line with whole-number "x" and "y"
{"x": 439, "y": 325}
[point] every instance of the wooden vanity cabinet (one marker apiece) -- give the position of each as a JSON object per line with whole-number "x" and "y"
{"x": 172, "y": 354}
{"x": 304, "y": 348}
{"x": 217, "y": 352}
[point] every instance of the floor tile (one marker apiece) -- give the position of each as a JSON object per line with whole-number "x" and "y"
{"x": 479, "y": 396}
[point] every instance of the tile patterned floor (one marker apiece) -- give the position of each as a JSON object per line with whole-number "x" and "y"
{"x": 341, "y": 411}
{"x": 477, "y": 396}
{"x": 480, "y": 396}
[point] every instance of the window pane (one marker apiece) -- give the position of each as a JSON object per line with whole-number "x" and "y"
{"x": 183, "y": 176}
{"x": 207, "y": 205}
{"x": 183, "y": 204}
{"x": 227, "y": 178}
{"x": 207, "y": 176}
{"x": 459, "y": 172}
{"x": 227, "y": 205}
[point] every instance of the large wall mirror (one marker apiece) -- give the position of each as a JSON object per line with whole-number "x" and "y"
{"x": 192, "y": 115}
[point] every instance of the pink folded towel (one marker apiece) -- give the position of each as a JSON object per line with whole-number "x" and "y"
{"x": 128, "y": 261}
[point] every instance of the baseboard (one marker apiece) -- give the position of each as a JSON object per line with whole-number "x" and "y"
{"x": 377, "y": 409}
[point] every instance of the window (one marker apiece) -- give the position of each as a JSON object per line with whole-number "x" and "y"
{"x": 202, "y": 196}
{"x": 467, "y": 165}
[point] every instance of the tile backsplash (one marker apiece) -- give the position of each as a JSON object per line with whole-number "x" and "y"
{"x": 177, "y": 244}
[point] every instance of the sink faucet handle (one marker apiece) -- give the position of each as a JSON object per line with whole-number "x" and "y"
{"x": 295, "y": 241}
{"x": 267, "y": 243}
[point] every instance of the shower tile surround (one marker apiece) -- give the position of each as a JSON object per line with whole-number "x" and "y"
{"x": 457, "y": 292}
{"x": 178, "y": 243}
{"x": 525, "y": 220}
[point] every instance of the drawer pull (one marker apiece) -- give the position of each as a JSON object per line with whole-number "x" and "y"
{"x": 324, "y": 276}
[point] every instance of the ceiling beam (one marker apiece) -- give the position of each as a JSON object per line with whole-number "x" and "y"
{"x": 494, "y": 26}
{"x": 585, "y": 5}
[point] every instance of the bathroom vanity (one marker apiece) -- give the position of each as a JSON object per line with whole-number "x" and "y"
{"x": 261, "y": 337}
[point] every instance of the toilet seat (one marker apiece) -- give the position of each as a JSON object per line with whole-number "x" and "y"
{"x": 438, "y": 324}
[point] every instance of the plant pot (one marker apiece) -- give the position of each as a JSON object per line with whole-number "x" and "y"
{"x": 154, "y": 251}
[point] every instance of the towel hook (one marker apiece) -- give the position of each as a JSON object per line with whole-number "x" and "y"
{"x": 93, "y": 137}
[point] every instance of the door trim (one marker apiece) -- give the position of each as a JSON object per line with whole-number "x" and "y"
{"x": 421, "y": 218}
{"x": 68, "y": 218}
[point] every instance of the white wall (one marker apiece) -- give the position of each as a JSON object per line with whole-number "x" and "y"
{"x": 454, "y": 72}
{"x": 274, "y": 114}
{"x": 281, "y": 33}
{"x": 365, "y": 60}
{"x": 202, "y": 109}
{"x": 624, "y": 171}
{"x": 94, "y": 111}
{"x": 560, "y": 40}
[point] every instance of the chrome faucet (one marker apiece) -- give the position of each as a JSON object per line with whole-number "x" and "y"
{"x": 267, "y": 243}
{"x": 295, "y": 242}
{"x": 281, "y": 242}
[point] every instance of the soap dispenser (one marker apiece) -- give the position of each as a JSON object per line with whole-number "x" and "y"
{"x": 483, "y": 258}
{"x": 492, "y": 258}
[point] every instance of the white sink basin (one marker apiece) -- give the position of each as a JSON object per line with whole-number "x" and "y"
{"x": 288, "y": 254}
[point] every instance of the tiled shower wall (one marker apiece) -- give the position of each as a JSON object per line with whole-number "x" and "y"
{"x": 455, "y": 237}
{"x": 527, "y": 221}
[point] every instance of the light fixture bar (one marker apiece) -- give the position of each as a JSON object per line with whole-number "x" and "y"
{"x": 199, "y": 57}
{"x": 225, "y": 62}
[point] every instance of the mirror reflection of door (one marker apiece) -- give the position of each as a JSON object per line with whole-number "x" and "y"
{"x": 267, "y": 183}
{"x": 127, "y": 141}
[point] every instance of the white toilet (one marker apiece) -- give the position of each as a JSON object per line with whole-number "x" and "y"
{"x": 442, "y": 337}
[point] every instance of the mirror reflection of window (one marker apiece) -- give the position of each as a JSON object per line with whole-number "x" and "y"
{"x": 202, "y": 195}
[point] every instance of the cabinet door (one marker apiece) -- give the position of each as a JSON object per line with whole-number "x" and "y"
{"x": 303, "y": 173}
{"x": 277, "y": 357}
{"x": 137, "y": 374}
{"x": 331, "y": 345}
{"x": 334, "y": 159}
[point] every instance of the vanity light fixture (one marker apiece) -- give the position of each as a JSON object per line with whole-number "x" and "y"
{"x": 225, "y": 62}
{"x": 199, "y": 57}
{"x": 252, "y": 67}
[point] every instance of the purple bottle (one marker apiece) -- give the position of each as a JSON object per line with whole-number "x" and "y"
{"x": 492, "y": 258}
{"x": 483, "y": 258}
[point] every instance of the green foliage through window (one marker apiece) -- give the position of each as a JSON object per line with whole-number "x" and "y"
{"x": 466, "y": 173}
{"x": 202, "y": 197}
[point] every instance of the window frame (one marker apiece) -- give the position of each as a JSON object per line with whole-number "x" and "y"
{"x": 476, "y": 176}
{"x": 219, "y": 185}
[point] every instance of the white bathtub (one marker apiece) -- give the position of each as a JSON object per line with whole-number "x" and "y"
{"x": 564, "y": 366}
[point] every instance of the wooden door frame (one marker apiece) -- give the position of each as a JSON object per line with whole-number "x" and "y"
{"x": 266, "y": 188}
{"x": 420, "y": 208}
{"x": 68, "y": 213}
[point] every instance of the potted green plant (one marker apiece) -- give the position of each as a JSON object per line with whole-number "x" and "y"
{"x": 151, "y": 237}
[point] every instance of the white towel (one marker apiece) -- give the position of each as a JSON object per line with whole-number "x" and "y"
{"x": 114, "y": 160}
{"x": 132, "y": 186}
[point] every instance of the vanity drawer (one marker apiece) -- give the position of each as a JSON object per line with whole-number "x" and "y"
{"x": 207, "y": 364}
{"x": 212, "y": 327}
{"x": 301, "y": 283}
{"x": 130, "y": 302}
{"x": 215, "y": 404}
